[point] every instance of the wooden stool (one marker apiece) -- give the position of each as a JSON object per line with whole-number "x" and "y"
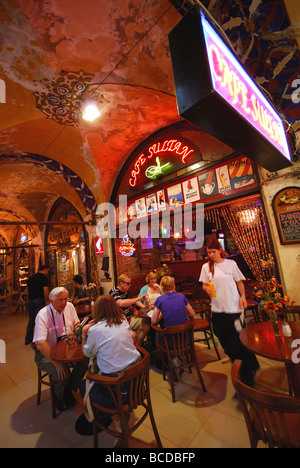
{"x": 41, "y": 381}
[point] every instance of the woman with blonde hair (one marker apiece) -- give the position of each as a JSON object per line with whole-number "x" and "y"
{"x": 172, "y": 306}
{"x": 152, "y": 288}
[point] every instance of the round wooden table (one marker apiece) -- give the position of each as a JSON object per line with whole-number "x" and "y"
{"x": 67, "y": 352}
{"x": 260, "y": 339}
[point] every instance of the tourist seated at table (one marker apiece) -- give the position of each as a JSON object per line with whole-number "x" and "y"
{"x": 81, "y": 296}
{"x": 108, "y": 338}
{"x": 52, "y": 323}
{"x": 228, "y": 301}
{"x": 171, "y": 309}
{"x": 120, "y": 294}
{"x": 152, "y": 289}
{"x": 172, "y": 306}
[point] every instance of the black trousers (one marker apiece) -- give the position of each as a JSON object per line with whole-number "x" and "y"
{"x": 224, "y": 328}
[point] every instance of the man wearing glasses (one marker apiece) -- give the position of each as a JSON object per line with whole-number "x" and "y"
{"x": 120, "y": 294}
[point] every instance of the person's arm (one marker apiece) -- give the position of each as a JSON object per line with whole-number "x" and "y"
{"x": 207, "y": 289}
{"x": 62, "y": 369}
{"x": 156, "y": 316}
{"x": 189, "y": 310}
{"x": 128, "y": 302}
{"x": 241, "y": 288}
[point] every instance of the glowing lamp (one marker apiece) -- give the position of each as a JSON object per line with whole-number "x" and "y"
{"x": 91, "y": 112}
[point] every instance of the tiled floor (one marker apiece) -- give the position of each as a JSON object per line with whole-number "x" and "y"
{"x": 196, "y": 420}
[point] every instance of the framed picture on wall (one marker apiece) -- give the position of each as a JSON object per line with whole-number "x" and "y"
{"x": 286, "y": 207}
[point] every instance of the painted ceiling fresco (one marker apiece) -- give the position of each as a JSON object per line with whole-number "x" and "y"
{"x": 56, "y": 54}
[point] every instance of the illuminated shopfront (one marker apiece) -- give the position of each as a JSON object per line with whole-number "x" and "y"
{"x": 66, "y": 245}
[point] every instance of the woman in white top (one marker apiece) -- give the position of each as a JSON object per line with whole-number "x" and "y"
{"x": 107, "y": 337}
{"x": 228, "y": 301}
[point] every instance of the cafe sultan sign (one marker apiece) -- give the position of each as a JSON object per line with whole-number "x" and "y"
{"x": 160, "y": 158}
{"x": 215, "y": 92}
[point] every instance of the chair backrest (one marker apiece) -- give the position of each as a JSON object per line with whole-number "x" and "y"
{"x": 135, "y": 381}
{"x": 176, "y": 339}
{"x": 272, "y": 418}
{"x": 292, "y": 313}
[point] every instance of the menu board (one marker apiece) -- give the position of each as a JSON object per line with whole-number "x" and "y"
{"x": 286, "y": 206}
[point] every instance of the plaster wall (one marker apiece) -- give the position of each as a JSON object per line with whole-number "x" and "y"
{"x": 288, "y": 256}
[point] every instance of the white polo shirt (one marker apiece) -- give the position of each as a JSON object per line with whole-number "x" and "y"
{"x": 50, "y": 324}
{"x": 226, "y": 275}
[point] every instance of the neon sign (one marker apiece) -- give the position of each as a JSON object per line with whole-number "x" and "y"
{"x": 166, "y": 146}
{"x": 233, "y": 84}
{"x": 127, "y": 248}
{"x": 153, "y": 171}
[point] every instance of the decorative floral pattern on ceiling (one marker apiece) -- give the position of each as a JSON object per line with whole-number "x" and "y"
{"x": 64, "y": 97}
{"x": 69, "y": 176}
{"x": 262, "y": 36}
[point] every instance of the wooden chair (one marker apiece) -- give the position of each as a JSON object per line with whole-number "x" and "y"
{"x": 177, "y": 350}
{"x": 83, "y": 310}
{"x": 22, "y": 303}
{"x": 204, "y": 324}
{"x": 48, "y": 383}
{"x": 292, "y": 313}
{"x": 137, "y": 379}
{"x": 270, "y": 418}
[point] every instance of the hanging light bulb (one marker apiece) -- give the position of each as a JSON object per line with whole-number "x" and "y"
{"x": 91, "y": 112}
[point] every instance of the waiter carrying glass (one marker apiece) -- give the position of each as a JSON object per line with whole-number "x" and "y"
{"x": 223, "y": 282}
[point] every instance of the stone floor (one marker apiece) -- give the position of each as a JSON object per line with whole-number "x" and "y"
{"x": 196, "y": 420}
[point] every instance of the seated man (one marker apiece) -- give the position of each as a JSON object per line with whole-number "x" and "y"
{"x": 52, "y": 323}
{"x": 81, "y": 296}
{"x": 120, "y": 294}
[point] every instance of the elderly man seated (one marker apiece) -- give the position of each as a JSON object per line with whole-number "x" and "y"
{"x": 52, "y": 323}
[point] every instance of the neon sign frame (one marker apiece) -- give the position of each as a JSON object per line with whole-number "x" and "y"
{"x": 233, "y": 84}
{"x": 171, "y": 146}
{"x": 215, "y": 93}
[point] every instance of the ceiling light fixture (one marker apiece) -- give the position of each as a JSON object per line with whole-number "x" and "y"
{"x": 91, "y": 112}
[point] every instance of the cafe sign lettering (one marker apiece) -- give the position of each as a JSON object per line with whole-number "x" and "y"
{"x": 215, "y": 93}
{"x": 157, "y": 160}
{"x": 231, "y": 81}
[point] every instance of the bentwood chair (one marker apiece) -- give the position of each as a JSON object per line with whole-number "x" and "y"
{"x": 177, "y": 350}
{"x": 136, "y": 380}
{"x": 203, "y": 324}
{"x": 42, "y": 376}
{"x": 292, "y": 313}
{"x": 270, "y": 418}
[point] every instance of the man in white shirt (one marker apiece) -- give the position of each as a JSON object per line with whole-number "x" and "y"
{"x": 52, "y": 323}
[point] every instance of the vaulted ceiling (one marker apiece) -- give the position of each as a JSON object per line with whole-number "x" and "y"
{"x": 56, "y": 54}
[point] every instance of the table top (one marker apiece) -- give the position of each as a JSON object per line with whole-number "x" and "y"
{"x": 67, "y": 352}
{"x": 260, "y": 339}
